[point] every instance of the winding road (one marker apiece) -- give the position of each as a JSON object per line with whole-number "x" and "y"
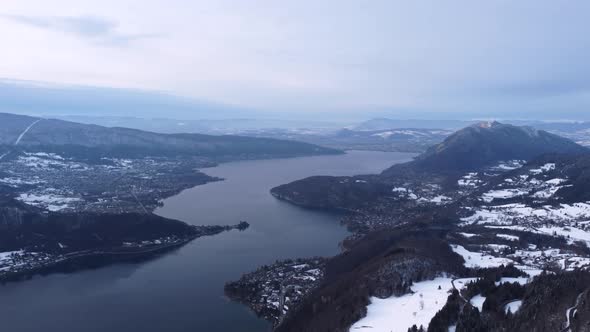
{"x": 466, "y": 301}
{"x": 459, "y": 289}
{"x": 571, "y": 311}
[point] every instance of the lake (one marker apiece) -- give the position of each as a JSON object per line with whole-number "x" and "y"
{"x": 183, "y": 290}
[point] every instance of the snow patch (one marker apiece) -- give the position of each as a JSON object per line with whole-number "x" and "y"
{"x": 477, "y": 301}
{"x": 477, "y": 259}
{"x": 502, "y": 194}
{"x": 543, "y": 169}
{"x": 399, "y": 313}
{"x": 512, "y": 306}
{"x": 508, "y": 237}
{"x": 47, "y": 200}
{"x": 519, "y": 280}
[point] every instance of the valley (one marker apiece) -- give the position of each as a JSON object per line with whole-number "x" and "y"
{"x": 498, "y": 209}
{"x": 75, "y": 196}
{"x": 187, "y": 283}
{"x": 294, "y": 166}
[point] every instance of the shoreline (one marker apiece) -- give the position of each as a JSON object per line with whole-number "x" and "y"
{"x": 96, "y": 258}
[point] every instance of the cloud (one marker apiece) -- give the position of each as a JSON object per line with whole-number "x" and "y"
{"x": 307, "y": 56}
{"x": 48, "y": 99}
{"x": 543, "y": 87}
{"x": 97, "y": 29}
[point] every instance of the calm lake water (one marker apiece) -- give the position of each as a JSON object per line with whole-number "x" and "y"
{"x": 183, "y": 290}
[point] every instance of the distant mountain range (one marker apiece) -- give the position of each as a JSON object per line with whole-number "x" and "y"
{"x": 50, "y": 135}
{"x": 392, "y": 140}
{"x": 385, "y": 123}
{"x": 578, "y": 131}
{"x": 379, "y": 134}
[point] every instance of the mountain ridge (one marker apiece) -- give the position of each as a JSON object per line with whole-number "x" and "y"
{"x": 51, "y": 134}
{"x": 485, "y": 143}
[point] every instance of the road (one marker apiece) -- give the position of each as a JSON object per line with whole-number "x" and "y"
{"x": 458, "y": 289}
{"x": 571, "y": 311}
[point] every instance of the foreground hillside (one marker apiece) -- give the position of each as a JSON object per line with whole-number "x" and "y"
{"x": 500, "y": 243}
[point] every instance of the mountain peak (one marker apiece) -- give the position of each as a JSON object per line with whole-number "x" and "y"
{"x": 487, "y": 124}
{"x": 508, "y": 128}
{"x": 486, "y": 143}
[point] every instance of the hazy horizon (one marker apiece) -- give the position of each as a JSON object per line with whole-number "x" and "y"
{"x": 329, "y": 61}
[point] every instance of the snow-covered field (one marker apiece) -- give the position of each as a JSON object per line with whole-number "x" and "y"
{"x": 478, "y": 259}
{"x": 541, "y": 214}
{"x": 513, "y": 306}
{"x": 397, "y": 314}
{"x": 12, "y": 259}
{"x": 571, "y": 233}
{"x": 561, "y": 259}
{"x": 8, "y": 254}
{"x": 508, "y": 165}
{"x": 530, "y": 261}
{"x": 545, "y": 168}
{"x": 477, "y": 301}
{"x": 428, "y": 194}
{"x": 541, "y": 185}
{"x": 45, "y": 161}
{"x": 469, "y": 180}
{"x": 508, "y": 237}
{"x": 49, "y": 199}
{"x": 502, "y": 194}
{"x": 522, "y": 214}
{"x": 463, "y": 282}
{"x": 16, "y": 182}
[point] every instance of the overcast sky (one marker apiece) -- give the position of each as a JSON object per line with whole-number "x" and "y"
{"x": 427, "y": 58}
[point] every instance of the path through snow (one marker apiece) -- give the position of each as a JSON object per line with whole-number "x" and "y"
{"x": 25, "y": 131}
